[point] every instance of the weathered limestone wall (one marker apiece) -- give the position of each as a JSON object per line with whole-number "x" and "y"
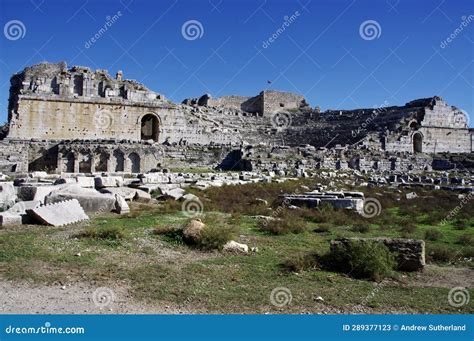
{"x": 58, "y": 119}
{"x": 276, "y": 101}
{"x": 265, "y": 103}
{"x": 62, "y": 119}
{"x": 13, "y": 157}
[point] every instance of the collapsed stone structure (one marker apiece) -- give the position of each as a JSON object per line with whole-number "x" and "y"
{"x": 76, "y": 120}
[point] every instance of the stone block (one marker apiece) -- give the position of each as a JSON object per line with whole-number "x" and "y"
{"x": 409, "y": 253}
{"x": 8, "y": 195}
{"x": 37, "y": 192}
{"x": 21, "y": 207}
{"x": 59, "y": 214}
{"x": 90, "y": 199}
{"x": 121, "y": 206}
{"x": 350, "y": 204}
{"x": 85, "y": 181}
{"x": 108, "y": 181}
{"x": 10, "y": 219}
{"x": 233, "y": 246}
{"x": 154, "y": 178}
{"x": 176, "y": 193}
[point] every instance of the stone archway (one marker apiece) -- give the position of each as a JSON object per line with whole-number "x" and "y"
{"x": 134, "y": 160}
{"x": 119, "y": 159}
{"x": 85, "y": 163}
{"x": 150, "y": 127}
{"x": 101, "y": 162}
{"x": 417, "y": 142}
{"x": 69, "y": 161}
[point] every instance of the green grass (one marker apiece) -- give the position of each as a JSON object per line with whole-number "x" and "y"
{"x": 220, "y": 282}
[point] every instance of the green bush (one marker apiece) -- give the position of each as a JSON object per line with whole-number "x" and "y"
{"x": 287, "y": 222}
{"x": 407, "y": 227}
{"x": 360, "y": 227}
{"x": 215, "y": 237}
{"x": 171, "y": 234}
{"x": 110, "y": 233}
{"x": 468, "y": 252}
{"x": 323, "y": 228}
{"x": 216, "y": 232}
{"x": 361, "y": 259}
{"x": 461, "y": 224}
{"x": 300, "y": 262}
{"x": 442, "y": 254}
{"x": 433, "y": 234}
{"x": 466, "y": 239}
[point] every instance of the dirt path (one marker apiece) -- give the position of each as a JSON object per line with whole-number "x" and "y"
{"x": 16, "y": 298}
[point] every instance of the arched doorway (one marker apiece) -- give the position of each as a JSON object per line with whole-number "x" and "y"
{"x": 119, "y": 161}
{"x": 101, "y": 162}
{"x": 134, "y": 159}
{"x": 69, "y": 163}
{"x": 85, "y": 163}
{"x": 150, "y": 128}
{"x": 417, "y": 143}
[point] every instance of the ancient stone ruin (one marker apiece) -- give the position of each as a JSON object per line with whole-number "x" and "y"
{"x": 76, "y": 120}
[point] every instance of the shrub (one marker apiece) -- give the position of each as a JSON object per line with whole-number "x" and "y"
{"x": 216, "y": 232}
{"x": 442, "y": 253}
{"x": 300, "y": 262}
{"x": 287, "y": 222}
{"x": 322, "y": 228}
{"x": 407, "y": 227}
{"x": 461, "y": 224}
{"x": 360, "y": 227}
{"x": 361, "y": 259}
{"x": 433, "y": 234}
{"x": 468, "y": 252}
{"x": 111, "y": 233}
{"x": 171, "y": 234}
{"x": 214, "y": 237}
{"x": 466, "y": 239}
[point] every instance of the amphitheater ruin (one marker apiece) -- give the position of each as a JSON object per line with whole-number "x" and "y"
{"x": 76, "y": 120}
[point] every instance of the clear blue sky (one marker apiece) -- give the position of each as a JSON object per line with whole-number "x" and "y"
{"x": 321, "y": 54}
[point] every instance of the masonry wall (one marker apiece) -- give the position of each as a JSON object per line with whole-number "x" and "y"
{"x": 60, "y": 119}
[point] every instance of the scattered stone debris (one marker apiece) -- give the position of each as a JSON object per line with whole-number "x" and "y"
{"x": 341, "y": 199}
{"x": 233, "y": 246}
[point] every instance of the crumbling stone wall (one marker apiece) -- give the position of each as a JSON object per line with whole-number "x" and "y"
{"x": 79, "y": 120}
{"x": 50, "y": 102}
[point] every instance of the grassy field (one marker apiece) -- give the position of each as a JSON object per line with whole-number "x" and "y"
{"x": 160, "y": 269}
